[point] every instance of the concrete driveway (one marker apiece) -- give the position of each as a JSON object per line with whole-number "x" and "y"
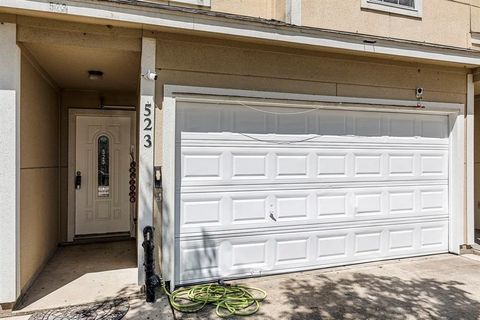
{"x": 435, "y": 287}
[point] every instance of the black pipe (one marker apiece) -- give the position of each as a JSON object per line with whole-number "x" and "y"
{"x": 152, "y": 281}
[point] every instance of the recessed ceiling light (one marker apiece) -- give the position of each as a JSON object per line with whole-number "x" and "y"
{"x": 95, "y": 75}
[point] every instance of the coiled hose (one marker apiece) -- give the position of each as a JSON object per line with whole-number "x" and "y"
{"x": 230, "y": 300}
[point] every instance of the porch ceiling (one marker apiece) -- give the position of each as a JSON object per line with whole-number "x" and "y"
{"x": 68, "y": 66}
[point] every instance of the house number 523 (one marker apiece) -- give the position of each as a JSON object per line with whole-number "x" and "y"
{"x": 147, "y": 126}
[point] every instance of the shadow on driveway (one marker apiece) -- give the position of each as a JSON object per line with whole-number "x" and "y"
{"x": 436, "y": 287}
{"x": 365, "y": 296}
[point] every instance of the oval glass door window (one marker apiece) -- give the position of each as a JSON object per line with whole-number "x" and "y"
{"x": 103, "y": 167}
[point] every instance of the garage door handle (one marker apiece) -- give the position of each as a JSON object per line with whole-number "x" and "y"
{"x": 273, "y": 217}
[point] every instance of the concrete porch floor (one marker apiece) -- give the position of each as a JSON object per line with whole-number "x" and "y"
{"x": 83, "y": 273}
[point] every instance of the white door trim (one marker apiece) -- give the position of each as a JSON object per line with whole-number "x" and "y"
{"x": 72, "y": 129}
{"x": 173, "y": 93}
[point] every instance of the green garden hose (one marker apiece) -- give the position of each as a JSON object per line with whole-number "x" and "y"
{"x": 230, "y": 300}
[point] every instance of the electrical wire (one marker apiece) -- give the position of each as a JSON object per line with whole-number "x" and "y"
{"x": 278, "y": 142}
{"x": 278, "y": 113}
{"x": 229, "y": 300}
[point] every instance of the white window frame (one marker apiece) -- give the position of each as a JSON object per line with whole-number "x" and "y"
{"x": 392, "y": 8}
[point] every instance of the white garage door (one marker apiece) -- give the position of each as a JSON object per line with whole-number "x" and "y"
{"x": 263, "y": 192}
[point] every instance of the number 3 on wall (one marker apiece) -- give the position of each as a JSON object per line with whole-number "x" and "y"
{"x": 148, "y": 141}
{"x": 147, "y": 121}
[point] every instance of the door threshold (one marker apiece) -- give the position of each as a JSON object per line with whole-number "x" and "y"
{"x": 96, "y": 238}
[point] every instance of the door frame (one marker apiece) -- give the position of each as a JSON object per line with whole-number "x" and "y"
{"x": 174, "y": 93}
{"x": 73, "y": 113}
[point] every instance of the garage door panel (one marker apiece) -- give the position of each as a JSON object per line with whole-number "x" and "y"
{"x": 228, "y": 165}
{"x": 249, "y": 255}
{"x": 262, "y": 193}
{"x": 239, "y": 210}
{"x": 240, "y": 118}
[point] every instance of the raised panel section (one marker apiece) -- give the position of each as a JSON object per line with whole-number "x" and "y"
{"x": 248, "y": 166}
{"x": 292, "y": 166}
{"x": 368, "y": 165}
{"x": 368, "y": 243}
{"x": 103, "y": 210}
{"x": 368, "y": 204}
{"x": 201, "y": 166}
{"x": 292, "y": 207}
{"x": 402, "y": 202}
{"x": 200, "y": 212}
{"x": 401, "y": 165}
{"x": 331, "y": 205}
{"x": 433, "y": 165}
{"x": 202, "y": 258}
{"x": 292, "y": 251}
{"x": 432, "y": 200}
{"x": 332, "y": 165}
{"x": 432, "y": 236}
{"x": 249, "y": 210}
{"x": 329, "y": 247}
{"x": 401, "y": 239}
{"x": 249, "y": 254}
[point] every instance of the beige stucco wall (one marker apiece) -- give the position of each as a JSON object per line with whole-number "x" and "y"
{"x": 39, "y": 206}
{"x": 266, "y": 9}
{"x": 444, "y": 22}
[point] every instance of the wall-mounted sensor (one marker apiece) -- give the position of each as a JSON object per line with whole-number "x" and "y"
{"x": 150, "y": 75}
{"x": 419, "y": 93}
{"x": 158, "y": 177}
{"x": 95, "y": 75}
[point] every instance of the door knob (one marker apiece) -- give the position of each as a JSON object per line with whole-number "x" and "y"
{"x": 78, "y": 180}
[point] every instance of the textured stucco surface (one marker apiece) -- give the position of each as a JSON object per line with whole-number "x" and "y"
{"x": 39, "y": 172}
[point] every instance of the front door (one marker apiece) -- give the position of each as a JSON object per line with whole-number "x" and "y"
{"x": 102, "y": 169}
